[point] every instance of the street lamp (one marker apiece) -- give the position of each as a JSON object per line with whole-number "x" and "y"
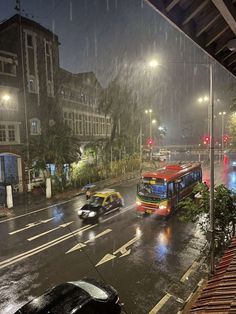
{"x": 6, "y": 97}
{"x": 211, "y": 129}
{"x": 222, "y": 114}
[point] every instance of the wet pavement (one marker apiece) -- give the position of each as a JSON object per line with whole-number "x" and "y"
{"x": 153, "y": 263}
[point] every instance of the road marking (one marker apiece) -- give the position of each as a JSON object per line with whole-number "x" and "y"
{"x": 121, "y": 212}
{"x": 49, "y": 231}
{"x": 160, "y": 304}
{"x": 123, "y": 250}
{"x": 81, "y": 245}
{"x": 188, "y": 272}
{"x": 37, "y": 210}
{"x": 31, "y": 225}
{"x": 44, "y": 246}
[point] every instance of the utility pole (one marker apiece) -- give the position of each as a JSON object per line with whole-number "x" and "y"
{"x": 212, "y": 218}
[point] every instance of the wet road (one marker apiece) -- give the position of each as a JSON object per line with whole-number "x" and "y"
{"x": 141, "y": 257}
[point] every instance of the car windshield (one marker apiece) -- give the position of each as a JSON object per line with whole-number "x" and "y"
{"x": 96, "y": 200}
{"x": 153, "y": 187}
{"x": 93, "y": 290}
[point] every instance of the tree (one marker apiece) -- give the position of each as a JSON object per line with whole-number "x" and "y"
{"x": 197, "y": 210}
{"x": 56, "y": 146}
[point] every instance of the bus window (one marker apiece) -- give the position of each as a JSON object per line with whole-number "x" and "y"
{"x": 171, "y": 191}
{"x": 153, "y": 187}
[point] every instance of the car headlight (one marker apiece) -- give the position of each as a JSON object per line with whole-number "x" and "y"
{"x": 162, "y": 206}
{"x": 92, "y": 214}
{"x": 138, "y": 203}
{"x": 80, "y": 212}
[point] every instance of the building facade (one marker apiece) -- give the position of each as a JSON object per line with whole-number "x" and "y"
{"x": 35, "y": 93}
{"x": 79, "y": 96}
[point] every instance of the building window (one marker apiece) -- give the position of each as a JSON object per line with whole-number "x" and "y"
{"x": 3, "y": 133}
{"x": 7, "y": 66}
{"x": 31, "y": 62}
{"x": 78, "y": 124}
{"x": 49, "y": 68}
{"x": 35, "y": 127}
{"x": 9, "y": 133}
{"x": 68, "y": 119}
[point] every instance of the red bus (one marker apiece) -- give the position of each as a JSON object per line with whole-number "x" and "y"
{"x": 160, "y": 191}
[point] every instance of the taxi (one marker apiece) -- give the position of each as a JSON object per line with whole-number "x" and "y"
{"x": 101, "y": 203}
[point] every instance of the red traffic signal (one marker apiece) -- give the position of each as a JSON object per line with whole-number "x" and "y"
{"x": 206, "y": 139}
{"x": 225, "y": 138}
{"x": 150, "y": 141}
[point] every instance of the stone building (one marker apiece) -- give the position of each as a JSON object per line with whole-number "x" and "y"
{"x": 35, "y": 92}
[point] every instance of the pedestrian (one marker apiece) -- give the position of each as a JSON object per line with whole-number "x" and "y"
{"x": 88, "y": 194}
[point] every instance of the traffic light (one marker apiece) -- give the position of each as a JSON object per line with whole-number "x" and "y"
{"x": 150, "y": 141}
{"x": 225, "y": 138}
{"x": 206, "y": 139}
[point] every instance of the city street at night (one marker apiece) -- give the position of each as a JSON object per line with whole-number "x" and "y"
{"x": 145, "y": 259}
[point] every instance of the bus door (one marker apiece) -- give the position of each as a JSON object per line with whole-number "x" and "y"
{"x": 177, "y": 190}
{"x": 172, "y": 195}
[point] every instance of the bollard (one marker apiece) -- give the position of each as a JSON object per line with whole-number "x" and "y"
{"x": 48, "y": 188}
{"x": 9, "y": 196}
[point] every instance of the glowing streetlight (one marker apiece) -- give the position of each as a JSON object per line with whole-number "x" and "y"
{"x": 6, "y": 97}
{"x": 154, "y": 121}
{"x": 153, "y": 63}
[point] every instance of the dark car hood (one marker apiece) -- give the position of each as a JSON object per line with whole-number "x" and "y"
{"x": 91, "y": 207}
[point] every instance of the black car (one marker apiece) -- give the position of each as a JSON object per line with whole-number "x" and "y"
{"x": 87, "y": 296}
{"x": 101, "y": 203}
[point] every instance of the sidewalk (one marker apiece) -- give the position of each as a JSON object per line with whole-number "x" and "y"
{"x": 28, "y": 202}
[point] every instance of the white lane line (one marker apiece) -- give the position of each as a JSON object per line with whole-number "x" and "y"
{"x": 49, "y": 231}
{"x": 188, "y": 272}
{"x": 31, "y": 225}
{"x": 36, "y": 211}
{"x": 160, "y": 304}
{"x": 81, "y": 245}
{"x": 44, "y": 246}
{"x": 47, "y": 245}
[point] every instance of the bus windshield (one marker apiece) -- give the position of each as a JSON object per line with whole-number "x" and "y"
{"x": 153, "y": 187}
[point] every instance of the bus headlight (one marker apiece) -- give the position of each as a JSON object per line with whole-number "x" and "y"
{"x": 138, "y": 203}
{"x": 162, "y": 207}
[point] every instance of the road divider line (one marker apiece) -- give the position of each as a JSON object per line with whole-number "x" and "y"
{"x": 49, "y": 231}
{"x": 36, "y": 211}
{"x": 188, "y": 272}
{"x": 160, "y": 304}
{"x": 81, "y": 245}
{"x": 44, "y": 246}
{"x": 31, "y": 225}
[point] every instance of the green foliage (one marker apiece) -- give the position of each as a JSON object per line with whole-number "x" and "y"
{"x": 197, "y": 210}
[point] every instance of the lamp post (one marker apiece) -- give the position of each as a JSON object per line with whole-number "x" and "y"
{"x": 153, "y": 64}
{"x": 222, "y": 114}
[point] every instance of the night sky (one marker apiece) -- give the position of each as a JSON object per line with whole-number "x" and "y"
{"x": 100, "y": 35}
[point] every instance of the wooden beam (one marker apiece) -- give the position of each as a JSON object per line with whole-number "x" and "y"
{"x": 216, "y": 35}
{"x": 194, "y": 9}
{"x": 231, "y": 60}
{"x": 228, "y": 12}
{"x": 229, "y": 55}
{"x": 171, "y": 4}
{"x": 206, "y": 23}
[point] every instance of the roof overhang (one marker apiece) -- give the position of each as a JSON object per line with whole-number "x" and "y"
{"x": 211, "y": 24}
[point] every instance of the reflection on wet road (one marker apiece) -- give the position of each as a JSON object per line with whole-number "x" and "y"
{"x": 140, "y": 257}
